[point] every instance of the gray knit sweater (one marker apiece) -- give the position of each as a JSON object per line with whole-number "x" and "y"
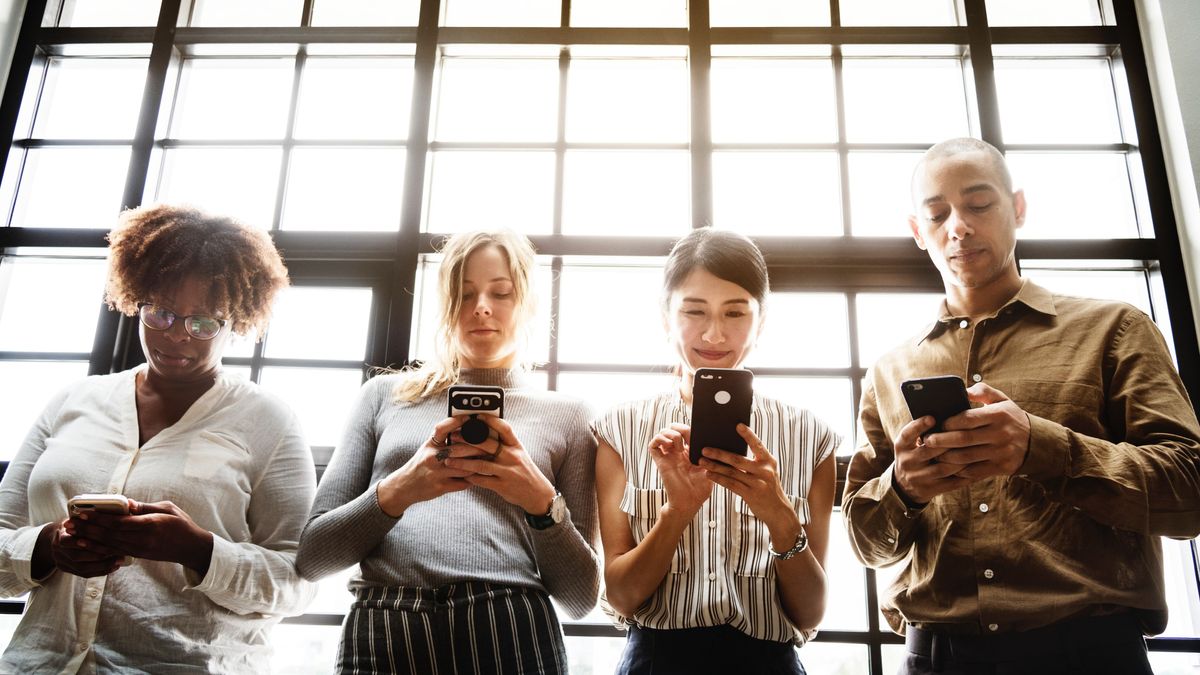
{"x": 472, "y": 535}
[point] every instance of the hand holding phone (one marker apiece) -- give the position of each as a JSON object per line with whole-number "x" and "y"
{"x": 721, "y": 399}
{"x": 942, "y": 397}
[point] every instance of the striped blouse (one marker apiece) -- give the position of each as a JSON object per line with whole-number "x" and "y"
{"x": 722, "y": 572}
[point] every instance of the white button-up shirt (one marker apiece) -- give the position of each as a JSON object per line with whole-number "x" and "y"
{"x": 236, "y": 463}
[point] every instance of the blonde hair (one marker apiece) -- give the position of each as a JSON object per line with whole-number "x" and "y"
{"x": 436, "y": 374}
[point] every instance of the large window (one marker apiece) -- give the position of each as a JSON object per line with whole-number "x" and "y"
{"x": 359, "y": 132}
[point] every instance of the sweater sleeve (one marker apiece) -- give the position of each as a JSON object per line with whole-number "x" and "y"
{"x": 346, "y": 521}
{"x": 566, "y": 553}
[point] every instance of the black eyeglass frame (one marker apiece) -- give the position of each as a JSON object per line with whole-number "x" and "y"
{"x": 175, "y": 317}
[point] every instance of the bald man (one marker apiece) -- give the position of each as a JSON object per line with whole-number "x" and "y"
{"x": 1029, "y": 527}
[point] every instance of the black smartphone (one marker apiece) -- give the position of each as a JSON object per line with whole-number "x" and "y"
{"x": 475, "y": 400}
{"x": 943, "y": 397}
{"x": 721, "y": 398}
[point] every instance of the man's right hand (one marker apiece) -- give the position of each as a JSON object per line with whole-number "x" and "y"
{"x": 917, "y": 474}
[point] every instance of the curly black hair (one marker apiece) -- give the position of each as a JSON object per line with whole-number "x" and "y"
{"x": 154, "y": 249}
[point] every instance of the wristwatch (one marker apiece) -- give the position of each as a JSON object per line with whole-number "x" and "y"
{"x": 556, "y": 514}
{"x": 796, "y": 549}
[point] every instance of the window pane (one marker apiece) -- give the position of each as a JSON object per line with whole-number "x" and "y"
{"x": 885, "y": 320}
{"x": 1084, "y": 195}
{"x": 344, "y": 189}
{"x": 603, "y": 391}
{"x": 835, "y": 657}
{"x": 90, "y": 98}
{"x": 829, "y": 398}
{"x": 320, "y": 323}
{"x": 803, "y": 330}
{"x": 630, "y": 292}
{"x": 28, "y": 386}
{"x": 767, "y": 13}
{"x": 773, "y": 100}
{"x": 242, "y": 13}
{"x": 880, "y": 198}
{"x": 1039, "y": 13}
{"x": 890, "y": 13}
{"x": 355, "y": 98}
{"x": 321, "y": 397}
{"x": 1183, "y": 602}
{"x": 1123, "y": 285}
{"x": 305, "y": 650}
{"x": 593, "y": 654}
{"x": 238, "y": 182}
{"x": 520, "y": 97}
{"x": 35, "y": 290}
{"x": 233, "y": 98}
{"x": 778, "y": 193}
{"x": 491, "y": 189}
{"x": 846, "y": 584}
{"x": 501, "y": 12}
{"x": 365, "y": 12}
{"x": 628, "y": 100}
{"x": 893, "y": 655}
{"x": 104, "y": 13}
{"x": 1057, "y": 101}
{"x": 652, "y": 186}
{"x": 94, "y": 179}
{"x": 427, "y": 303}
{"x": 892, "y": 85}
{"x": 623, "y": 13}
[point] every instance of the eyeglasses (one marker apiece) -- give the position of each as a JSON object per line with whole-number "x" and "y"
{"x": 156, "y": 317}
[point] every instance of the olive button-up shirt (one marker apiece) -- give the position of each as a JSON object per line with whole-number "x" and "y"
{"x": 1113, "y": 464}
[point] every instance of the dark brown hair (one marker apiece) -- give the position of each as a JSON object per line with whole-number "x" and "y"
{"x": 726, "y": 255}
{"x": 153, "y": 249}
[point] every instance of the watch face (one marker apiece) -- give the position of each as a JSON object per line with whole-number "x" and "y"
{"x": 558, "y": 508}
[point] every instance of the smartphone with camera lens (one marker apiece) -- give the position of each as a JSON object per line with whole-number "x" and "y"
{"x": 475, "y": 400}
{"x": 721, "y": 399}
{"x": 942, "y": 397}
{"x": 103, "y": 503}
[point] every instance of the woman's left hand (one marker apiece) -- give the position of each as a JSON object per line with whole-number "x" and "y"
{"x": 154, "y": 531}
{"x": 510, "y": 473}
{"x": 754, "y": 478}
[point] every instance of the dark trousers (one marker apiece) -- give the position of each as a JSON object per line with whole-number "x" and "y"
{"x": 720, "y": 650}
{"x": 1103, "y": 645}
{"x": 470, "y": 627}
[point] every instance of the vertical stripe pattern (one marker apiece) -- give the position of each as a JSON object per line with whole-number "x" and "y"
{"x": 722, "y": 572}
{"x": 468, "y": 628}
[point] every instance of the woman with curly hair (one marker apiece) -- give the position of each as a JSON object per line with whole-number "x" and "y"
{"x": 216, "y": 471}
{"x": 460, "y": 545}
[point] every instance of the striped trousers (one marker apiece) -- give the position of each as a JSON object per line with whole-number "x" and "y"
{"x": 464, "y": 628}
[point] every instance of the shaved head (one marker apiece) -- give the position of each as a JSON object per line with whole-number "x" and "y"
{"x": 958, "y": 146}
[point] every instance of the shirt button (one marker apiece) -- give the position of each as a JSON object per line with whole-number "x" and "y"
{"x": 891, "y": 540}
{"x": 983, "y": 508}
{"x": 712, "y": 576}
{"x": 977, "y": 377}
{"x": 712, "y": 524}
{"x": 993, "y": 627}
{"x": 94, "y": 593}
{"x": 82, "y": 646}
{"x": 114, "y": 491}
{"x": 988, "y": 574}
{"x": 964, "y": 323}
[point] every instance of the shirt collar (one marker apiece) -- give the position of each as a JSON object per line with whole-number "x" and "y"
{"x": 1030, "y": 295}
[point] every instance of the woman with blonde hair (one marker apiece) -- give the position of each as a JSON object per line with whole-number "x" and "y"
{"x": 460, "y": 545}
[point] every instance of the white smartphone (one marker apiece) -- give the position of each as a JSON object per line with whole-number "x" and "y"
{"x": 98, "y": 502}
